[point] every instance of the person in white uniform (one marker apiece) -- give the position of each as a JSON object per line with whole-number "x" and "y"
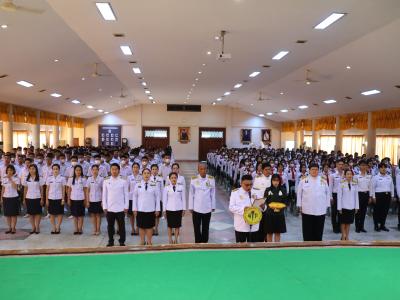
{"x": 55, "y": 195}
{"x": 146, "y": 207}
{"x": 397, "y": 178}
{"x": 364, "y": 181}
{"x": 202, "y": 203}
{"x": 133, "y": 180}
{"x": 347, "y": 202}
{"x": 33, "y": 197}
{"x": 174, "y": 200}
{"x": 94, "y": 185}
{"x": 10, "y": 197}
{"x": 239, "y": 200}
{"x": 77, "y": 200}
{"x": 313, "y": 199}
{"x": 115, "y": 204}
{"x": 159, "y": 181}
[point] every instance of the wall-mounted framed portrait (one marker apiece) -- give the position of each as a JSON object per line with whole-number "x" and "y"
{"x": 266, "y": 135}
{"x": 184, "y": 134}
{"x": 245, "y": 136}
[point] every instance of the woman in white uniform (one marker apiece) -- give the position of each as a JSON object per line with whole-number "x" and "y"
{"x": 55, "y": 194}
{"x": 9, "y": 198}
{"x": 77, "y": 198}
{"x": 347, "y": 203}
{"x": 94, "y": 190}
{"x": 174, "y": 200}
{"x": 33, "y": 192}
{"x": 133, "y": 180}
{"x": 146, "y": 207}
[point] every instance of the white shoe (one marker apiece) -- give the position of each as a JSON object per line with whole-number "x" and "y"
{"x": 71, "y": 217}
{"x": 26, "y": 216}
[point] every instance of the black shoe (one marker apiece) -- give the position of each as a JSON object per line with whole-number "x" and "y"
{"x": 363, "y": 230}
{"x": 32, "y": 232}
{"x": 398, "y": 227}
{"x": 76, "y": 233}
{"x": 110, "y": 244}
{"x": 384, "y": 228}
{"x": 358, "y": 230}
{"x": 377, "y": 229}
{"x": 122, "y": 244}
{"x": 8, "y": 231}
{"x": 54, "y": 232}
{"x": 336, "y": 231}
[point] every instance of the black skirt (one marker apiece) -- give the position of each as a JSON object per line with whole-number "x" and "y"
{"x": 55, "y": 207}
{"x": 275, "y": 223}
{"x": 174, "y": 218}
{"x": 130, "y": 212}
{"x": 146, "y": 220}
{"x": 11, "y": 206}
{"x": 95, "y": 208}
{"x": 33, "y": 206}
{"x": 347, "y": 216}
{"x": 77, "y": 208}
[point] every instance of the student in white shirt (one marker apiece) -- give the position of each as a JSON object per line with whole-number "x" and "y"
{"x": 94, "y": 185}
{"x": 174, "y": 199}
{"x": 77, "y": 197}
{"x": 33, "y": 197}
{"x": 159, "y": 181}
{"x": 55, "y": 195}
{"x": 347, "y": 202}
{"x": 133, "y": 180}
{"x": 10, "y": 197}
{"x": 146, "y": 207}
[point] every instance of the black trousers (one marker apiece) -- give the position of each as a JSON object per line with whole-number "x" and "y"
{"x": 398, "y": 211}
{"x": 313, "y": 227}
{"x": 201, "y": 226}
{"x": 381, "y": 208}
{"x": 334, "y": 214}
{"x": 120, "y": 218}
{"x": 243, "y": 237}
{"x": 363, "y": 198}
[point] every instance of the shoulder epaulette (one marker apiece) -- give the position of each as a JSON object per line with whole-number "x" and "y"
{"x": 194, "y": 177}
{"x": 108, "y": 177}
{"x": 234, "y": 190}
{"x": 211, "y": 177}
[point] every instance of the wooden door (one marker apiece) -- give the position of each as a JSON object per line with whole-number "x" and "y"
{"x": 210, "y": 139}
{"x": 75, "y": 142}
{"x": 155, "y": 137}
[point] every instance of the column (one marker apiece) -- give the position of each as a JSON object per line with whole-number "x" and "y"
{"x": 339, "y": 136}
{"x": 56, "y": 133}
{"x": 47, "y": 136}
{"x": 71, "y": 133}
{"x": 8, "y": 131}
{"x": 301, "y": 137}
{"x": 296, "y": 144}
{"x": 315, "y": 135}
{"x": 36, "y": 131}
{"x": 371, "y": 137}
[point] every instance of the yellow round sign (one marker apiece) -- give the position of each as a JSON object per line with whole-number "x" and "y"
{"x": 252, "y": 215}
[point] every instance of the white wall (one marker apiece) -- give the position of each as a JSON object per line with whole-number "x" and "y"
{"x": 133, "y": 118}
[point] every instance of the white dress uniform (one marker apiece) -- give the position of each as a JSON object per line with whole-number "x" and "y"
{"x": 397, "y": 177}
{"x": 382, "y": 190}
{"x": 202, "y": 202}
{"x": 95, "y": 186}
{"x": 334, "y": 182}
{"x": 180, "y": 181}
{"x": 347, "y": 201}
{"x": 85, "y": 167}
{"x": 10, "y": 196}
{"x": 174, "y": 203}
{"x": 364, "y": 182}
{"x": 313, "y": 197}
{"x": 102, "y": 171}
{"x": 261, "y": 183}
{"x": 54, "y": 186}
{"x": 165, "y": 170}
{"x": 47, "y": 171}
{"x": 146, "y": 199}
{"x": 159, "y": 181}
{"x": 125, "y": 171}
{"x": 33, "y": 195}
{"x": 77, "y": 196}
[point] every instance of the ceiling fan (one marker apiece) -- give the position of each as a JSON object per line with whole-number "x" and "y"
{"x": 260, "y": 98}
{"x": 96, "y": 72}
{"x": 308, "y": 80}
{"x": 9, "y": 6}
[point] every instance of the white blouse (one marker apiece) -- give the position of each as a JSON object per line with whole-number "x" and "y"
{"x": 33, "y": 188}
{"x": 77, "y": 189}
{"x": 174, "y": 200}
{"x": 55, "y": 184}
{"x": 9, "y": 190}
{"x": 95, "y": 186}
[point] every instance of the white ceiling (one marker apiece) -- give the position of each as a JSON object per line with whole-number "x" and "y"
{"x": 170, "y": 40}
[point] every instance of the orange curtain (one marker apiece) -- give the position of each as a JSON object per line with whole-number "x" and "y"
{"x": 327, "y": 123}
{"x": 287, "y": 126}
{"x": 388, "y": 119}
{"x": 65, "y": 121}
{"x": 24, "y": 115}
{"x": 4, "y": 112}
{"x": 304, "y": 125}
{"x": 79, "y": 123}
{"x": 359, "y": 121}
{"x": 48, "y": 118}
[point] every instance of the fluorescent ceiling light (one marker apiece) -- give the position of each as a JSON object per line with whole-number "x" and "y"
{"x": 136, "y": 70}
{"x": 144, "y": 83}
{"x": 4, "y": 26}
{"x": 303, "y": 106}
{"x": 199, "y": 72}
{"x": 100, "y": 110}
{"x": 106, "y": 112}
{"x": 76, "y": 101}
{"x": 147, "y": 92}
{"x": 330, "y": 101}
{"x": 329, "y": 20}
{"x": 89, "y": 106}
{"x": 348, "y": 67}
{"x": 214, "y": 103}
{"x": 151, "y": 98}
{"x": 261, "y": 115}
{"x": 126, "y": 50}
{"x": 106, "y": 11}
{"x": 219, "y": 99}
{"x": 208, "y": 52}
{"x": 284, "y": 110}
{"x": 371, "y": 92}
{"x": 237, "y": 85}
{"x": 269, "y": 113}
{"x": 25, "y": 83}
{"x": 227, "y": 93}
{"x": 254, "y": 74}
{"x": 280, "y": 55}
{"x": 56, "y": 95}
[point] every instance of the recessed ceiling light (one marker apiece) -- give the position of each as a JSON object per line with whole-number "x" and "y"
{"x": 280, "y": 55}
{"x": 76, "y": 101}
{"x": 329, "y": 20}
{"x": 261, "y": 115}
{"x": 281, "y": 93}
{"x": 136, "y": 70}
{"x": 237, "y": 85}
{"x": 329, "y": 101}
{"x": 25, "y": 83}
{"x": 251, "y": 104}
{"x": 56, "y": 60}
{"x": 111, "y": 96}
{"x": 193, "y": 84}
{"x": 56, "y": 95}
{"x": 89, "y": 106}
{"x": 154, "y": 102}
{"x": 106, "y": 11}
{"x": 284, "y": 110}
{"x": 100, "y": 90}
{"x": 227, "y": 93}
{"x": 100, "y": 110}
{"x": 83, "y": 78}
{"x": 151, "y": 98}
{"x": 214, "y": 103}
{"x": 348, "y": 67}
{"x": 269, "y": 113}
{"x": 126, "y": 50}
{"x": 106, "y": 112}
{"x": 216, "y": 37}
{"x": 147, "y": 92}
{"x": 308, "y": 82}
{"x": 199, "y": 72}
{"x": 219, "y": 99}
{"x": 197, "y": 79}
{"x": 208, "y": 52}
{"x": 144, "y": 83}
{"x": 303, "y": 106}
{"x": 371, "y": 92}
{"x": 203, "y": 65}
{"x": 4, "y": 26}
{"x": 254, "y": 74}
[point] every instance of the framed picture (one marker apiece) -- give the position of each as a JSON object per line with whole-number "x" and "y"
{"x": 110, "y": 135}
{"x": 266, "y": 135}
{"x": 245, "y": 136}
{"x": 184, "y": 134}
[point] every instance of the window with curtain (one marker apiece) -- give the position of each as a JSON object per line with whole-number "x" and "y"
{"x": 308, "y": 140}
{"x": 352, "y": 144}
{"x": 51, "y": 141}
{"x": 388, "y": 146}
{"x": 20, "y": 138}
{"x": 327, "y": 143}
{"x": 289, "y": 145}
{"x": 42, "y": 138}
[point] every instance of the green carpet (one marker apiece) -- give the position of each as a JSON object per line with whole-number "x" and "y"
{"x": 340, "y": 273}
